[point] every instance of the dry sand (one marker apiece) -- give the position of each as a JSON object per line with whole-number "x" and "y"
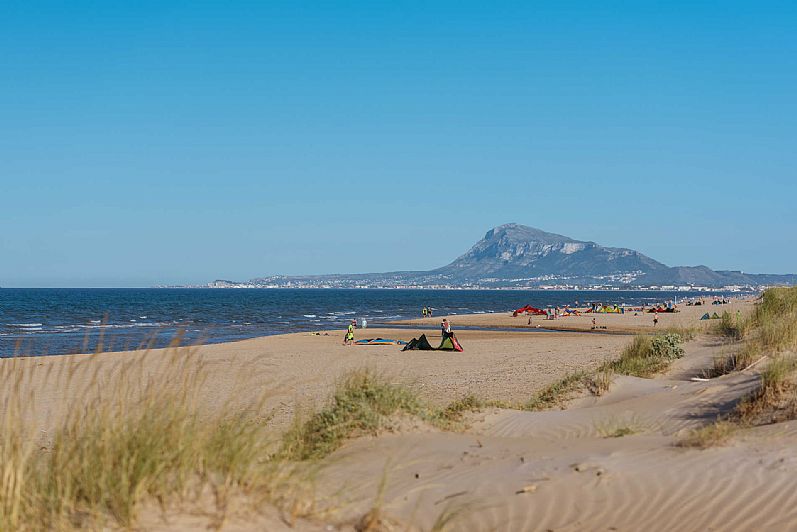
{"x": 511, "y": 470}
{"x": 303, "y": 368}
{"x": 561, "y": 470}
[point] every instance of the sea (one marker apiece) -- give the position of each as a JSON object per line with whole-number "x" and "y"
{"x": 61, "y": 321}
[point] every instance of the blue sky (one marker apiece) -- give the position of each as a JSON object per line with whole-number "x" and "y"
{"x": 178, "y": 142}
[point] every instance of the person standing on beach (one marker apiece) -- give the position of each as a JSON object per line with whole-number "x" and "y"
{"x": 655, "y": 318}
{"x": 445, "y": 328}
{"x": 429, "y": 310}
{"x": 349, "y": 338}
{"x": 424, "y": 312}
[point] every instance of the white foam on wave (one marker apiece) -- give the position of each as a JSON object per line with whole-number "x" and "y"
{"x": 309, "y": 315}
{"x": 25, "y": 325}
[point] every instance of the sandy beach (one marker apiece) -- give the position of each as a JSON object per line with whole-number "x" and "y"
{"x": 509, "y": 469}
{"x": 303, "y": 368}
{"x": 628, "y": 323}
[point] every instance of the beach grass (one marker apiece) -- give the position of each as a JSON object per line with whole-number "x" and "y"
{"x": 644, "y": 357}
{"x": 366, "y": 402}
{"x": 712, "y": 435}
{"x": 556, "y": 393}
{"x": 618, "y": 427}
{"x": 769, "y": 333}
{"x": 130, "y": 438}
{"x": 770, "y": 329}
{"x": 647, "y": 355}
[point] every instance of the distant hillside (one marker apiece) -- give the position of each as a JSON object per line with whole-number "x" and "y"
{"x": 514, "y": 255}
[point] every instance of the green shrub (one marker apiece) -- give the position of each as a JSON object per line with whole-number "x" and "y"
{"x": 647, "y": 355}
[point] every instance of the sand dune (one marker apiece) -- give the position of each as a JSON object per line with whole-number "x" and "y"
{"x": 558, "y": 470}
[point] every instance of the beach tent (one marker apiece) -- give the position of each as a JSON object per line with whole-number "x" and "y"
{"x": 421, "y": 344}
{"x": 450, "y": 343}
{"x": 706, "y": 316}
{"x": 715, "y": 316}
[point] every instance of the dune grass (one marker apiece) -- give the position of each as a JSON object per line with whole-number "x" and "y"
{"x": 644, "y": 357}
{"x": 128, "y": 437}
{"x": 366, "y": 403}
{"x": 770, "y": 329}
{"x": 770, "y": 332}
{"x": 712, "y": 435}
{"x": 647, "y": 355}
{"x": 618, "y": 427}
{"x": 556, "y": 393}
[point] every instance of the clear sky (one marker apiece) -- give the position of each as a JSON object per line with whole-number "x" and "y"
{"x": 178, "y": 142}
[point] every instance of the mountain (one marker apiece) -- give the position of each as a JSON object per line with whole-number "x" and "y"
{"x": 514, "y": 255}
{"x": 515, "y": 251}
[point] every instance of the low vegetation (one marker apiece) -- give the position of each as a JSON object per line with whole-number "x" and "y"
{"x": 365, "y": 403}
{"x": 556, "y": 393}
{"x": 618, "y": 428}
{"x": 647, "y": 355}
{"x": 770, "y": 329}
{"x": 644, "y": 357}
{"x": 776, "y": 398}
{"x": 130, "y": 438}
{"x": 770, "y": 332}
{"x": 712, "y": 435}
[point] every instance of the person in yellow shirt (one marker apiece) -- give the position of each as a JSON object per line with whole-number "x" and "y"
{"x": 349, "y": 338}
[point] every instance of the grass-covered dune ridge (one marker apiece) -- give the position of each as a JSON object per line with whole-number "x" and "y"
{"x": 130, "y": 438}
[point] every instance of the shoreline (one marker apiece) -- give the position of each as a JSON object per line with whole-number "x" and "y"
{"x": 609, "y": 324}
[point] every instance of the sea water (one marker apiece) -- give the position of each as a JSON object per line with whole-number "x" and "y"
{"x": 60, "y": 321}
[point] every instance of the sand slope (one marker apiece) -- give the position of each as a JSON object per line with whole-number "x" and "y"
{"x": 572, "y": 477}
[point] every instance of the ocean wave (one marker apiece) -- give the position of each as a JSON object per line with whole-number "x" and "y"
{"x": 125, "y": 325}
{"x": 24, "y": 325}
{"x": 309, "y": 315}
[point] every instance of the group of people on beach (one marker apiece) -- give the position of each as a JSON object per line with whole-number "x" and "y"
{"x": 348, "y": 338}
{"x": 426, "y": 312}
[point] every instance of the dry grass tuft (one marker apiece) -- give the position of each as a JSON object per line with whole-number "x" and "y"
{"x": 599, "y": 382}
{"x": 557, "y": 393}
{"x": 715, "y": 434}
{"x": 618, "y": 428}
